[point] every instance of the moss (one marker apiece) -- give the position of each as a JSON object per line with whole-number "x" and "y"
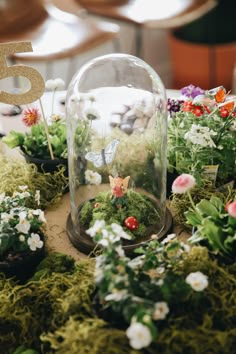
{"x": 16, "y": 172}
{"x": 55, "y": 313}
{"x": 138, "y": 205}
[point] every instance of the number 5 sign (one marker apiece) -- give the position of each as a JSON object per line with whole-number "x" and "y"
{"x": 35, "y": 78}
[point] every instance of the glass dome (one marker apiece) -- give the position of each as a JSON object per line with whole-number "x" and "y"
{"x": 116, "y": 109}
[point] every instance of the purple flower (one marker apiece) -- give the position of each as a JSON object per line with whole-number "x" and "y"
{"x": 173, "y": 105}
{"x": 192, "y": 91}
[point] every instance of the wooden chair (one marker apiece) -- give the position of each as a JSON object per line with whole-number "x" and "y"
{"x": 55, "y": 35}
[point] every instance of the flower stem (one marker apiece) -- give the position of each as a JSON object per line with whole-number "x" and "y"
{"x": 191, "y": 201}
{"x": 46, "y": 130}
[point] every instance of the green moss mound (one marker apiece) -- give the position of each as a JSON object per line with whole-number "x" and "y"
{"x": 54, "y": 312}
{"x": 138, "y": 205}
{"x": 16, "y": 172}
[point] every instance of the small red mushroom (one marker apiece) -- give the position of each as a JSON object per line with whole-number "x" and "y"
{"x": 131, "y": 223}
{"x": 96, "y": 205}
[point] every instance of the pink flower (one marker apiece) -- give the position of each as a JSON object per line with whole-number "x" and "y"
{"x": 31, "y": 116}
{"x": 183, "y": 183}
{"x": 231, "y": 208}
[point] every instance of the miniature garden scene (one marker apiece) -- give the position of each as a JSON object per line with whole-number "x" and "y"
{"x": 118, "y": 218}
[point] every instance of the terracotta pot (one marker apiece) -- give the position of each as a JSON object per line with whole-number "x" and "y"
{"x": 203, "y": 65}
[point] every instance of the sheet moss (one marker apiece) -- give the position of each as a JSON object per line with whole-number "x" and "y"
{"x": 138, "y": 205}
{"x": 54, "y": 313}
{"x": 15, "y": 172}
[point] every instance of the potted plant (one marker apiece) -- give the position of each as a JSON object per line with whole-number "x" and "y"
{"x": 213, "y": 221}
{"x": 203, "y": 51}
{"x": 45, "y": 144}
{"x": 22, "y": 229}
{"x": 202, "y": 135}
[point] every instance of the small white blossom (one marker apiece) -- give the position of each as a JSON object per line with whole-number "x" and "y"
{"x": 37, "y": 197}
{"x": 168, "y": 238}
{"x": 139, "y": 335}
{"x": 200, "y": 136}
{"x": 117, "y": 295}
{"x": 118, "y": 230}
{"x": 161, "y": 309}
{"x": 5, "y": 217}
{"x": 96, "y": 228}
{"x": 22, "y": 238}
{"x": 93, "y": 177}
{"x": 34, "y": 242}
{"x": 52, "y": 85}
{"x": 198, "y": 281}
{"x": 23, "y": 227}
{"x": 40, "y": 214}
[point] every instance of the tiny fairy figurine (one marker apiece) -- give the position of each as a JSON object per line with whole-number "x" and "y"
{"x": 119, "y": 188}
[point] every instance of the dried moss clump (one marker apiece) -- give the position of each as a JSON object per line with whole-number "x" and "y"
{"x": 17, "y": 172}
{"x": 54, "y": 312}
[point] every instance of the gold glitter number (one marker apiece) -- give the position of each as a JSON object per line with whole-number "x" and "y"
{"x": 35, "y": 78}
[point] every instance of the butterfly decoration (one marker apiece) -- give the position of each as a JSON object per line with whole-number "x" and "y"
{"x": 217, "y": 97}
{"x": 105, "y": 156}
{"x": 218, "y": 94}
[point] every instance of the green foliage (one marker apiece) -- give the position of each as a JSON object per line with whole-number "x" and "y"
{"x": 138, "y": 205}
{"x": 215, "y": 228}
{"x": 187, "y": 157}
{"x": 34, "y": 143}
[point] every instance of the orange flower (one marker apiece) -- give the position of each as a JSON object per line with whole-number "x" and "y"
{"x": 31, "y": 116}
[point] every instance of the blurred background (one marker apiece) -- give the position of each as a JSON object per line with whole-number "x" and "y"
{"x": 185, "y": 41}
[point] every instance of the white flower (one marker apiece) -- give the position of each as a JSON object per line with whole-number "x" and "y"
{"x": 168, "y": 238}
{"x": 161, "y": 309}
{"x": 22, "y": 238}
{"x": 93, "y": 177}
{"x": 59, "y": 84}
{"x": 5, "y": 217}
{"x": 96, "y": 228}
{"x": 52, "y": 85}
{"x": 198, "y": 281}
{"x": 200, "y": 135}
{"x": 37, "y": 197}
{"x": 118, "y": 230}
{"x": 139, "y": 335}
{"x": 23, "y": 226}
{"x": 34, "y": 242}
{"x": 116, "y": 295}
{"x": 40, "y": 214}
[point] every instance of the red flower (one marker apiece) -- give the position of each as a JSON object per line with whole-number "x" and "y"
{"x": 187, "y": 106}
{"x": 31, "y": 116}
{"x": 224, "y": 113}
{"x": 197, "y": 111}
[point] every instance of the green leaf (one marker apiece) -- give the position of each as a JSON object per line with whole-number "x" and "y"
{"x": 206, "y": 208}
{"x": 192, "y": 218}
{"x": 13, "y": 139}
